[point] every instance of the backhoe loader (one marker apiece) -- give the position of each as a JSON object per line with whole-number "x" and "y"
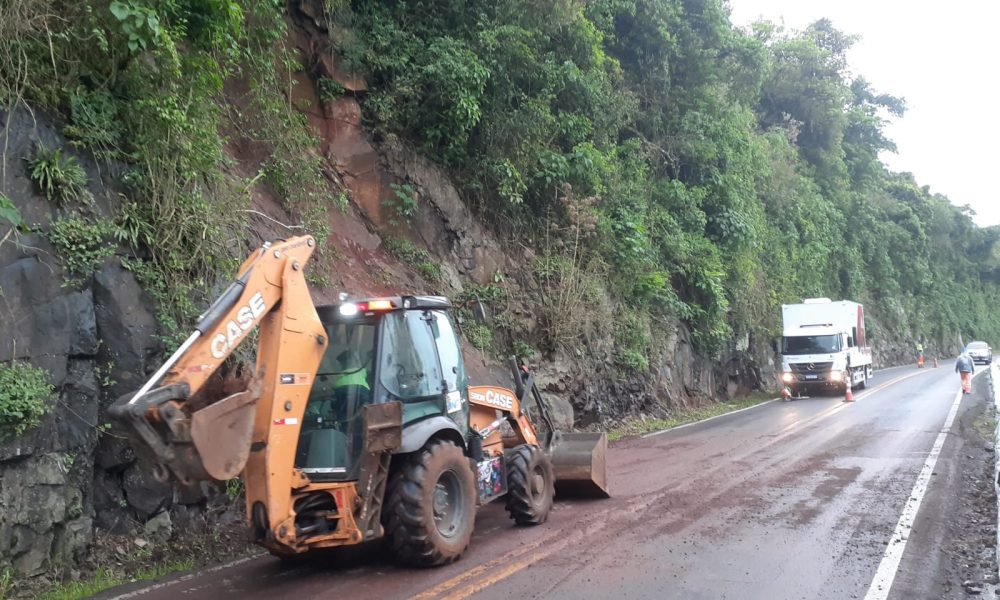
{"x": 357, "y": 423}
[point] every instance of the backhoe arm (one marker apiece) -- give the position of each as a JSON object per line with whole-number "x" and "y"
{"x": 213, "y": 439}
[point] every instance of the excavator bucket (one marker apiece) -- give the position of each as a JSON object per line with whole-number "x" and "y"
{"x": 578, "y": 460}
{"x": 212, "y": 442}
{"x": 222, "y": 433}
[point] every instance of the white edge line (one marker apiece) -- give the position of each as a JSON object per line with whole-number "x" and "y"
{"x": 183, "y": 578}
{"x": 886, "y": 573}
{"x": 725, "y": 414}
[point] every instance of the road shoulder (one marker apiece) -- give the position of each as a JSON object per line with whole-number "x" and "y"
{"x": 952, "y": 553}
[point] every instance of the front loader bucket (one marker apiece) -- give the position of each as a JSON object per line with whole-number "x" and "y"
{"x": 578, "y": 460}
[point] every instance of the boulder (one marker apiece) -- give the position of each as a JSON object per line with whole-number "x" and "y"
{"x": 110, "y": 506}
{"x": 143, "y": 493}
{"x": 159, "y": 528}
{"x": 114, "y": 452}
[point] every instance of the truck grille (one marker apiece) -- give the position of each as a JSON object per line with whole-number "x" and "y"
{"x": 819, "y": 367}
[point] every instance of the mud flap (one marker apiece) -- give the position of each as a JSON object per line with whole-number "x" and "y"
{"x": 579, "y": 463}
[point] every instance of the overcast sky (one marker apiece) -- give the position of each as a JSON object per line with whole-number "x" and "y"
{"x": 942, "y": 57}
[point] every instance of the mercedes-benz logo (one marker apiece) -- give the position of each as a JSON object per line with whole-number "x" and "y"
{"x": 811, "y": 366}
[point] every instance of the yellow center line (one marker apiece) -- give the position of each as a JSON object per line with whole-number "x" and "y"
{"x": 521, "y": 564}
{"x": 517, "y": 560}
{"x": 891, "y": 382}
{"x": 486, "y": 567}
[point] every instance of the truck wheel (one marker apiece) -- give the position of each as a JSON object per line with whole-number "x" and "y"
{"x": 431, "y": 506}
{"x": 530, "y": 485}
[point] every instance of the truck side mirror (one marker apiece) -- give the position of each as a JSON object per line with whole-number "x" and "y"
{"x": 850, "y": 342}
{"x": 774, "y": 345}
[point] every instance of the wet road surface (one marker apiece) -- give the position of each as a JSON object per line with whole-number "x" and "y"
{"x": 786, "y": 500}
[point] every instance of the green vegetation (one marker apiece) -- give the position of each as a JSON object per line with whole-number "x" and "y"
{"x": 24, "y": 395}
{"x": 658, "y": 163}
{"x": 141, "y": 83}
{"x": 417, "y": 258}
{"x": 60, "y": 178}
{"x": 6, "y": 581}
{"x": 10, "y": 215}
{"x": 235, "y": 488}
{"x": 402, "y": 205}
{"x": 82, "y": 244}
{"x": 480, "y": 336}
{"x": 104, "y": 579}
{"x": 639, "y": 426}
{"x": 986, "y": 424}
{"x": 523, "y": 349}
{"x": 674, "y": 165}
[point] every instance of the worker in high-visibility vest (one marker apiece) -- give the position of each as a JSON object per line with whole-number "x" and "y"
{"x": 965, "y": 367}
{"x": 345, "y": 394}
{"x": 353, "y": 372}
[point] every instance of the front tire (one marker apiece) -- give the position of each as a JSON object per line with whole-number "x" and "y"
{"x": 431, "y": 506}
{"x": 530, "y": 485}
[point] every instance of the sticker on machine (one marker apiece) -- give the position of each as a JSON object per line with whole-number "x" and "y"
{"x": 454, "y": 400}
{"x": 294, "y": 378}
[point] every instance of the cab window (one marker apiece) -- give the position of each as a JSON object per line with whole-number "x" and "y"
{"x": 449, "y": 350}
{"x": 409, "y": 366}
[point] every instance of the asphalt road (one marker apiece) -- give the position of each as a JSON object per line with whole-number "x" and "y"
{"x": 796, "y": 499}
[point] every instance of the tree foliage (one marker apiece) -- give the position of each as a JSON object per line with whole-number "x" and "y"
{"x": 661, "y": 163}
{"x": 733, "y": 170}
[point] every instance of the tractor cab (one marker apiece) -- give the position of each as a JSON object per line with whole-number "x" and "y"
{"x": 401, "y": 348}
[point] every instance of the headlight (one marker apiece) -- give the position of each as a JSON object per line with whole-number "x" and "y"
{"x": 836, "y": 375}
{"x": 787, "y": 377}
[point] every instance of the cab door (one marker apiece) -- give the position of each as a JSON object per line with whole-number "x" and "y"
{"x": 454, "y": 383}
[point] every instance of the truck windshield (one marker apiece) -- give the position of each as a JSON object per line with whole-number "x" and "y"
{"x": 810, "y": 344}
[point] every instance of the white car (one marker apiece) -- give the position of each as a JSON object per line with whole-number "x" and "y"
{"x": 981, "y": 352}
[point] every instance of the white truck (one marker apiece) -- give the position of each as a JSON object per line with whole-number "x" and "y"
{"x": 823, "y": 345}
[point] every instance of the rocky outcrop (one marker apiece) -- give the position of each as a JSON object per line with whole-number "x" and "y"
{"x": 45, "y": 513}
{"x": 96, "y": 340}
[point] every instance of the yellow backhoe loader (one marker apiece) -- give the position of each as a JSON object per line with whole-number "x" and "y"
{"x": 358, "y": 421}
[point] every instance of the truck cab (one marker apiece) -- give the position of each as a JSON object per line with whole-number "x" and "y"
{"x": 823, "y": 346}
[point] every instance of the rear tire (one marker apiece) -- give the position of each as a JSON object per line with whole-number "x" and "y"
{"x": 431, "y": 506}
{"x": 530, "y": 485}
{"x": 864, "y": 379}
